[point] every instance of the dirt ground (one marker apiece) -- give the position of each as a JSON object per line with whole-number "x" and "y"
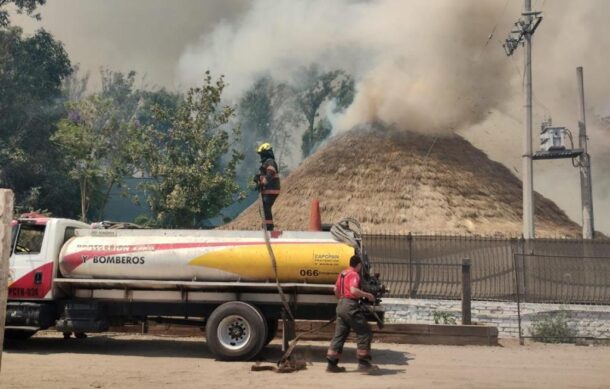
{"x": 136, "y": 361}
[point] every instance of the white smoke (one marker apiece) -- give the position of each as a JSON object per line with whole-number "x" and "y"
{"x": 422, "y": 63}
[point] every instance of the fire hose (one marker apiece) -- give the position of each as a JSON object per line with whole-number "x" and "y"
{"x": 286, "y": 363}
{"x": 273, "y": 261}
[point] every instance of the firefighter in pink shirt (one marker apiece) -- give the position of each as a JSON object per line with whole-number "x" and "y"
{"x": 350, "y": 316}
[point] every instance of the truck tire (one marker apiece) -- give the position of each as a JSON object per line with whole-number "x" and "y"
{"x": 236, "y": 331}
{"x": 272, "y": 325}
{"x": 18, "y": 334}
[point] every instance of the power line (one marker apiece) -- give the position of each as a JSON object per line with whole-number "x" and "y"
{"x": 493, "y": 30}
{"x": 534, "y": 96}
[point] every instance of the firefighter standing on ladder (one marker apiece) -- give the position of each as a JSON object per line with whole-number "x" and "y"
{"x": 268, "y": 181}
{"x": 350, "y": 316}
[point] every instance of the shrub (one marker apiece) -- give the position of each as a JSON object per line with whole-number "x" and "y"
{"x": 552, "y": 327}
{"x": 445, "y": 317}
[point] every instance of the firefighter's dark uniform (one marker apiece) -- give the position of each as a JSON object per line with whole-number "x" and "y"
{"x": 270, "y": 186}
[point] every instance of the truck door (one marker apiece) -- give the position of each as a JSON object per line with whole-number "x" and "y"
{"x": 31, "y": 272}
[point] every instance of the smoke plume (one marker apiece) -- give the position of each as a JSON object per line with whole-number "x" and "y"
{"x": 421, "y": 64}
{"x": 436, "y": 67}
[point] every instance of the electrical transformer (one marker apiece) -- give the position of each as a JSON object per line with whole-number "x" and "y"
{"x": 552, "y": 138}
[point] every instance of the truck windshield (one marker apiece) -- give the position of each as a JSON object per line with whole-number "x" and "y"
{"x": 29, "y": 239}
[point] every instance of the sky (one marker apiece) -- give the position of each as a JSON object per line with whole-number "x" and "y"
{"x": 432, "y": 66}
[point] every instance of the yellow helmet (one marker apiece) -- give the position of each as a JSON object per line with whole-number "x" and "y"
{"x": 263, "y": 147}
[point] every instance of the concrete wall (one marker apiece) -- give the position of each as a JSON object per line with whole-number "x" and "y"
{"x": 586, "y": 320}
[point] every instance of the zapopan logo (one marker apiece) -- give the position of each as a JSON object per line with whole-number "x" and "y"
{"x": 118, "y": 259}
{"x": 326, "y": 256}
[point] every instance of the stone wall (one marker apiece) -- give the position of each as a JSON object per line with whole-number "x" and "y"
{"x": 585, "y": 320}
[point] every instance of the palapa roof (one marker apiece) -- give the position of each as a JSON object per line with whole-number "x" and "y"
{"x": 397, "y": 182}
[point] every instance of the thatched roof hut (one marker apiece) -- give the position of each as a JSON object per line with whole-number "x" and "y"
{"x": 406, "y": 182}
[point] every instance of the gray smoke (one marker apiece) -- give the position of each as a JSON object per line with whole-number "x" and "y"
{"x": 421, "y": 64}
{"x": 147, "y": 36}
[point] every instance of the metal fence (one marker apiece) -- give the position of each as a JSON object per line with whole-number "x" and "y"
{"x": 546, "y": 270}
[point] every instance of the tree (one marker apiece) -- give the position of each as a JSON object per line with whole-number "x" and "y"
{"x": 27, "y": 6}
{"x": 255, "y": 110}
{"x": 150, "y": 101}
{"x": 99, "y": 136}
{"x": 313, "y": 137}
{"x": 267, "y": 114}
{"x": 75, "y": 85}
{"x": 118, "y": 88}
{"x": 193, "y": 165}
{"x": 313, "y": 90}
{"x": 32, "y": 70}
{"x": 95, "y": 143}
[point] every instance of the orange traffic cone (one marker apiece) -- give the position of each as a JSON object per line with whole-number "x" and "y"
{"x": 315, "y": 222}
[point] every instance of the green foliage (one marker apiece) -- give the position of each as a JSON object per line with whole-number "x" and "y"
{"x": 31, "y": 73}
{"x": 150, "y": 101}
{"x": 255, "y": 109}
{"x": 444, "y": 317}
{"x": 193, "y": 164}
{"x": 314, "y": 89}
{"x": 23, "y": 6}
{"x": 97, "y": 145}
{"x": 265, "y": 114}
{"x": 552, "y": 327}
{"x": 99, "y": 137}
{"x": 312, "y": 138}
{"x": 145, "y": 221}
{"x": 118, "y": 88}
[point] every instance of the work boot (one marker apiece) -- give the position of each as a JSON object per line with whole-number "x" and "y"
{"x": 333, "y": 366}
{"x": 365, "y": 365}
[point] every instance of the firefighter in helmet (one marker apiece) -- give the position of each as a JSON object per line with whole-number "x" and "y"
{"x": 268, "y": 181}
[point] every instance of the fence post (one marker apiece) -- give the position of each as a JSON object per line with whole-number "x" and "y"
{"x": 524, "y": 252}
{"x": 518, "y": 296}
{"x": 466, "y": 292}
{"x": 6, "y": 216}
{"x": 410, "y": 273}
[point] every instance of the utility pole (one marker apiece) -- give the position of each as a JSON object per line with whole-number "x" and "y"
{"x": 528, "y": 165}
{"x": 586, "y": 195}
{"x": 525, "y": 28}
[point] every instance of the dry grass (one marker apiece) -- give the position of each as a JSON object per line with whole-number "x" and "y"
{"x": 389, "y": 182}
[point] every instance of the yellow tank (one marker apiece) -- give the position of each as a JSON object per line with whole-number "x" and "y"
{"x": 313, "y": 257}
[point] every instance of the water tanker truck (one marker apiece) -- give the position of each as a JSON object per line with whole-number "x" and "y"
{"x": 66, "y": 275}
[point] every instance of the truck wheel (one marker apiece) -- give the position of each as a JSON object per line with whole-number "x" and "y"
{"x": 272, "y": 325}
{"x": 236, "y": 331}
{"x": 18, "y": 334}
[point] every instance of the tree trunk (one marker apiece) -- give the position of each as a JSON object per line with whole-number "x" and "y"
{"x": 83, "y": 199}
{"x": 105, "y": 200}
